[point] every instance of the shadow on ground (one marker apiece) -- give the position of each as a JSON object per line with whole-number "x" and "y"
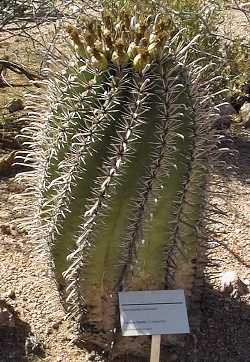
{"x": 17, "y": 343}
{"x": 224, "y": 331}
{"x": 242, "y": 146}
{"x": 238, "y": 159}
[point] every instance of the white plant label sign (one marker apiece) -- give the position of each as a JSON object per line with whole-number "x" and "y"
{"x": 153, "y": 312}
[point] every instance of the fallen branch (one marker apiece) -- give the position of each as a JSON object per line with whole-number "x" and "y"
{"x": 16, "y": 68}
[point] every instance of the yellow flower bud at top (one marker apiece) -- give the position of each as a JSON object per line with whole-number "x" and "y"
{"x": 138, "y": 28}
{"x": 100, "y": 63}
{"x": 98, "y": 45}
{"x": 119, "y": 59}
{"x": 132, "y": 50}
{"x": 99, "y": 30}
{"x": 107, "y": 19}
{"x": 107, "y": 38}
{"x": 119, "y": 46}
{"x": 143, "y": 27}
{"x": 137, "y": 63}
{"x": 73, "y": 32}
{"x": 119, "y": 43}
{"x": 153, "y": 49}
{"x": 91, "y": 26}
{"x": 70, "y": 29}
{"x": 152, "y": 38}
{"x": 83, "y": 19}
{"x": 80, "y": 46}
{"x": 143, "y": 43}
{"x": 106, "y": 32}
{"x": 97, "y": 54}
{"x": 89, "y": 50}
{"x": 141, "y": 60}
{"x": 115, "y": 58}
{"x": 89, "y": 38}
{"x": 125, "y": 18}
{"x": 138, "y": 37}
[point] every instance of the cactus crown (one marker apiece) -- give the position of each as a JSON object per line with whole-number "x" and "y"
{"x": 123, "y": 40}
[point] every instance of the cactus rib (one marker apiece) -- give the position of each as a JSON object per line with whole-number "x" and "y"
{"x": 125, "y": 137}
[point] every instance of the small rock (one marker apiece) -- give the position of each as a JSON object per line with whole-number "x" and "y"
{"x": 56, "y": 324}
{"x": 245, "y": 114}
{"x": 227, "y": 279}
{"x": 33, "y": 346}
{"x": 5, "y": 228}
{"x": 226, "y": 113}
{"x": 232, "y": 285}
{"x": 246, "y": 281}
{"x": 15, "y": 105}
{"x": 237, "y": 100}
{"x": 9, "y": 294}
{"x": 13, "y": 230}
{"x": 68, "y": 337}
{"x": 7, "y": 163}
{"x": 8, "y": 229}
{"x": 15, "y": 187}
{"x": 49, "y": 331}
{"x": 7, "y": 318}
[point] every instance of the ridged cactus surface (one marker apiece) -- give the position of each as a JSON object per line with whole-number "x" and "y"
{"x": 121, "y": 163}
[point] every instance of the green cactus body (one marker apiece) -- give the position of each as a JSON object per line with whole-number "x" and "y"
{"x": 165, "y": 227}
{"x": 69, "y": 161}
{"x": 124, "y": 171}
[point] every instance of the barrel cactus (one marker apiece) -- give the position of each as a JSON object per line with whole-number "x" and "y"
{"x": 120, "y": 165}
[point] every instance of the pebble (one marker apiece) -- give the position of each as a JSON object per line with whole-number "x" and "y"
{"x": 15, "y": 105}
{"x": 245, "y": 114}
{"x": 10, "y": 294}
{"x": 231, "y": 284}
{"x": 7, "y": 318}
{"x": 56, "y": 324}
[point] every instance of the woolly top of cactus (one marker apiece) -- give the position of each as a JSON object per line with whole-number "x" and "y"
{"x": 123, "y": 40}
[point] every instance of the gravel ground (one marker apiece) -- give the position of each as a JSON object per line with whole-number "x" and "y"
{"x": 224, "y": 330}
{"x": 41, "y": 329}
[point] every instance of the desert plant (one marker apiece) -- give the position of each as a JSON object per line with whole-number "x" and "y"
{"x": 120, "y": 165}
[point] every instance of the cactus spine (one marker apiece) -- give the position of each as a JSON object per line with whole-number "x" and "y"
{"x": 121, "y": 163}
